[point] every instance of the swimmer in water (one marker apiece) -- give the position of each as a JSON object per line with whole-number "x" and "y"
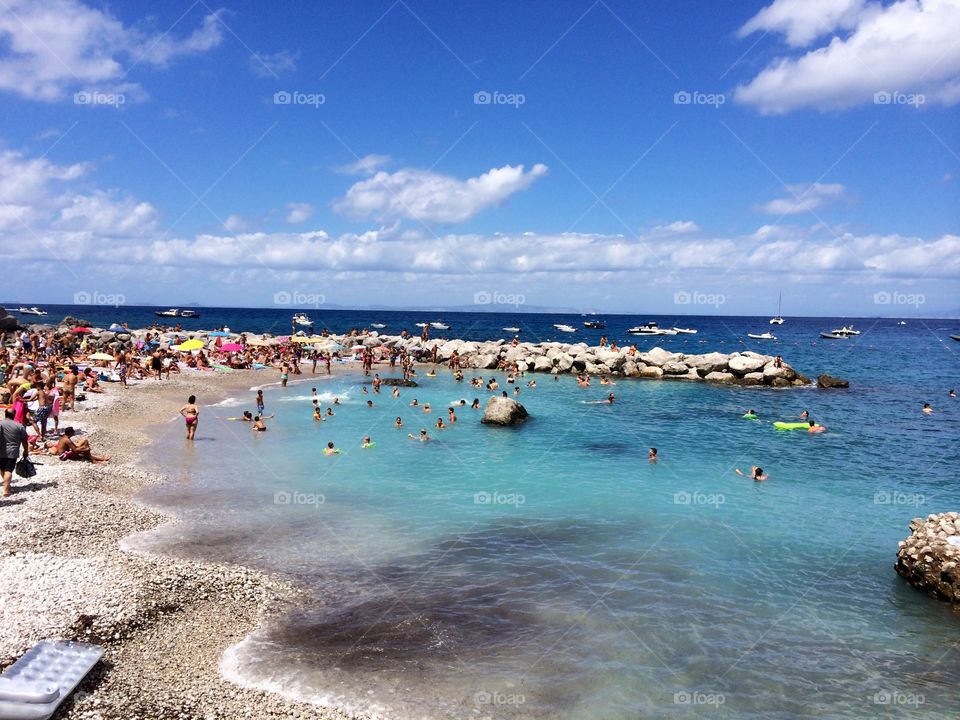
{"x": 755, "y": 472}
{"x": 367, "y": 443}
{"x": 652, "y": 455}
{"x": 329, "y": 412}
{"x": 246, "y": 417}
{"x": 814, "y": 428}
{"x": 804, "y": 415}
{"x": 336, "y": 401}
{"x": 426, "y": 407}
{"x": 258, "y": 424}
{"x": 414, "y": 403}
{"x": 423, "y": 437}
{"x": 317, "y": 415}
{"x": 369, "y": 403}
{"x": 927, "y": 409}
{"x": 952, "y": 393}
{"x": 440, "y": 425}
{"x": 331, "y": 450}
{"x": 396, "y": 392}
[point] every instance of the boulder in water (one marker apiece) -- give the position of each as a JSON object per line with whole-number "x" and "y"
{"x": 829, "y": 381}
{"x": 503, "y": 411}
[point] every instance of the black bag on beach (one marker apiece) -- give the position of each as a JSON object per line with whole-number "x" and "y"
{"x": 25, "y": 468}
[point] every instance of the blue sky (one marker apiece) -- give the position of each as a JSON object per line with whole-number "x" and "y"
{"x": 612, "y": 156}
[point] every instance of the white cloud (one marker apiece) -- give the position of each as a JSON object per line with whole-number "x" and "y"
{"x": 53, "y": 46}
{"x": 678, "y": 227}
{"x": 298, "y": 212}
{"x": 274, "y": 64}
{"x": 367, "y": 165}
{"x": 802, "y": 21}
{"x": 109, "y": 215}
{"x": 803, "y": 198}
{"x": 431, "y": 197}
{"x": 235, "y": 224}
{"x": 909, "y": 47}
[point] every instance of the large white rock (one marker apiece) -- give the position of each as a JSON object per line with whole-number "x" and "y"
{"x": 658, "y": 356}
{"x": 720, "y": 377}
{"x": 651, "y": 371}
{"x": 503, "y": 411}
{"x": 706, "y": 364}
{"x": 543, "y": 364}
{"x": 742, "y": 364}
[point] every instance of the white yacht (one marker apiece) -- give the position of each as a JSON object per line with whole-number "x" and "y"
{"x": 778, "y": 320}
{"x": 565, "y": 328}
{"x": 302, "y": 319}
{"x": 31, "y": 311}
{"x": 762, "y": 336}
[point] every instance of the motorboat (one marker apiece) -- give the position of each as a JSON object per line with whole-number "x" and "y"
{"x": 302, "y": 319}
{"x": 651, "y": 328}
{"x": 177, "y": 313}
{"x": 846, "y": 331}
{"x": 834, "y": 335}
{"x": 902, "y": 322}
{"x": 595, "y": 324}
{"x": 439, "y": 326}
{"x": 378, "y": 326}
{"x": 762, "y": 336}
{"x": 421, "y": 325}
{"x": 31, "y": 311}
{"x": 685, "y": 331}
{"x": 565, "y": 328}
{"x": 955, "y": 337}
{"x": 777, "y": 319}
{"x": 511, "y": 329}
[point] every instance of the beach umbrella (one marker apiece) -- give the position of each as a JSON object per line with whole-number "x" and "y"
{"x": 300, "y": 339}
{"x": 81, "y": 330}
{"x": 219, "y": 333}
{"x": 190, "y": 345}
{"x": 231, "y": 347}
{"x": 257, "y": 342}
{"x": 100, "y": 356}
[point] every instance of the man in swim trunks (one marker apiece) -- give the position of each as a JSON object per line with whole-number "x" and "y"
{"x": 755, "y": 472}
{"x": 70, "y": 388}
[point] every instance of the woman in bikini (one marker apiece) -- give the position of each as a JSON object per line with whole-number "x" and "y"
{"x": 191, "y": 416}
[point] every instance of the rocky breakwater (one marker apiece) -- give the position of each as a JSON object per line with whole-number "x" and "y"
{"x": 928, "y": 557}
{"x": 746, "y": 368}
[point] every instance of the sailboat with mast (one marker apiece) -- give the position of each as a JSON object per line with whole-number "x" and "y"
{"x": 778, "y": 320}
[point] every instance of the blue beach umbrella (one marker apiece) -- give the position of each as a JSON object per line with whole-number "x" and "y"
{"x": 219, "y": 333}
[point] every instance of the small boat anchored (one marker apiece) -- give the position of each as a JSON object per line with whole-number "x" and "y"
{"x": 834, "y": 335}
{"x": 31, "y": 311}
{"x": 439, "y": 326}
{"x": 778, "y": 319}
{"x": 595, "y": 324}
{"x": 685, "y": 331}
{"x": 565, "y": 328}
{"x": 651, "y": 328}
{"x": 302, "y": 319}
{"x": 177, "y": 313}
{"x": 762, "y": 336}
{"x": 378, "y": 326}
{"x": 511, "y": 329}
{"x": 846, "y": 331}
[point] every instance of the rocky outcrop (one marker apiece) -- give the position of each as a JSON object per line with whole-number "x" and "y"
{"x": 8, "y": 322}
{"x": 928, "y": 558}
{"x": 829, "y": 381}
{"x": 400, "y": 382}
{"x": 503, "y": 411}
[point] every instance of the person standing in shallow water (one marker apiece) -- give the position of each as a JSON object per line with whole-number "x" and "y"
{"x": 191, "y": 416}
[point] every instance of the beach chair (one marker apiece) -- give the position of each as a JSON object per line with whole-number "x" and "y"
{"x": 35, "y": 685}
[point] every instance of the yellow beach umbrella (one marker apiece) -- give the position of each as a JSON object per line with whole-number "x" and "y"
{"x": 302, "y": 339}
{"x": 190, "y": 345}
{"x": 257, "y": 342}
{"x": 100, "y": 356}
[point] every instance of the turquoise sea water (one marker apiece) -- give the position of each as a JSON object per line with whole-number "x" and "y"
{"x": 552, "y": 571}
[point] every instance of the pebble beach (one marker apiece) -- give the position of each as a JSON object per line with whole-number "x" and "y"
{"x": 164, "y": 622}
